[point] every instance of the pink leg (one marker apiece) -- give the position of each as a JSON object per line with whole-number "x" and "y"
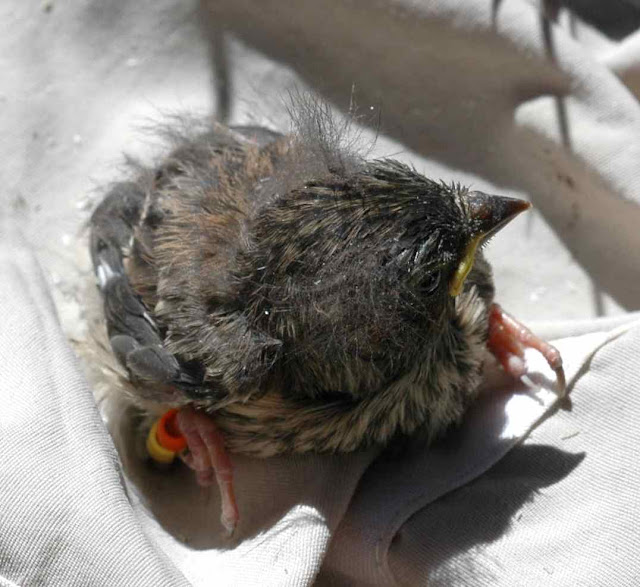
{"x": 508, "y": 340}
{"x": 209, "y": 459}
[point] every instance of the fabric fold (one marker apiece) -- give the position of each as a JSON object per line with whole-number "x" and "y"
{"x": 397, "y": 488}
{"x": 64, "y": 515}
{"x": 558, "y": 509}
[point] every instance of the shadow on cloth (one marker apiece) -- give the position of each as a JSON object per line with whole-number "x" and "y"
{"x": 451, "y": 85}
{"x": 479, "y": 513}
{"x": 274, "y": 495}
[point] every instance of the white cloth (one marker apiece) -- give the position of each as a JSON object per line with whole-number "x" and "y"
{"x": 474, "y": 91}
{"x": 64, "y": 517}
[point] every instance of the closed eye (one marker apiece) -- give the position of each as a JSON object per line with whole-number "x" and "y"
{"x": 429, "y": 284}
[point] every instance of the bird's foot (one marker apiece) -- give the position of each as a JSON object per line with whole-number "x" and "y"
{"x": 208, "y": 457}
{"x": 508, "y": 340}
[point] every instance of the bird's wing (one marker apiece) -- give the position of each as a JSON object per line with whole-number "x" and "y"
{"x": 156, "y": 260}
{"x": 133, "y": 332}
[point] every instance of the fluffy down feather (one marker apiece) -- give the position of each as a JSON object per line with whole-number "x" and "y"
{"x": 294, "y": 289}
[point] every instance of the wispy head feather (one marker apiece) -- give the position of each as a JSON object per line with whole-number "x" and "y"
{"x": 323, "y": 143}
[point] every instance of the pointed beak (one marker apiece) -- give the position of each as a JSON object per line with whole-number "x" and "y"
{"x": 488, "y": 214}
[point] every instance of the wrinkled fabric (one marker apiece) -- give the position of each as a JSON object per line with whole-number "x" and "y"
{"x": 64, "y": 517}
{"x": 529, "y": 490}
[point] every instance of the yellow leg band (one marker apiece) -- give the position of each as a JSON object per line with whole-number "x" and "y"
{"x": 157, "y": 452}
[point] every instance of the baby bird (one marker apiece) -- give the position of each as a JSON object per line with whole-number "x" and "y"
{"x": 288, "y": 295}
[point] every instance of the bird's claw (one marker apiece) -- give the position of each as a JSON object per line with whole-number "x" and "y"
{"x": 508, "y": 340}
{"x": 209, "y": 459}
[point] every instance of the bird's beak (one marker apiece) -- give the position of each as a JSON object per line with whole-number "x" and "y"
{"x": 488, "y": 214}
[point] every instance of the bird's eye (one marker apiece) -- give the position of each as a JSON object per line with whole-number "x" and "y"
{"x": 429, "y": 284}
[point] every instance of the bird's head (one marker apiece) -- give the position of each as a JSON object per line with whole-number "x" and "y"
{"x": 364, "y": 267}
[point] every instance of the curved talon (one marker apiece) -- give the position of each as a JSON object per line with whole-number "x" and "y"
{"x": 208, "y": 457}
{"x": 205, "y": 453}
{"x": 561, "y": 379}
{"x": 508, "y": 340}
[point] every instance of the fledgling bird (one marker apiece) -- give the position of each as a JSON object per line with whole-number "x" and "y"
{"x": 288, "y": 295}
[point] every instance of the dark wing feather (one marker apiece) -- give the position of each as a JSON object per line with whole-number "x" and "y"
{"x": 134, "y": 335}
